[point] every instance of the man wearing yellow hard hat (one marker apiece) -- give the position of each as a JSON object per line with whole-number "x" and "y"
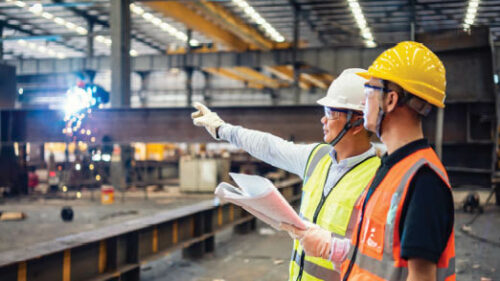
{"x": 404, "y": 229}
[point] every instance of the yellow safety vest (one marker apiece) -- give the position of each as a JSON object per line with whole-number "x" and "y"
{"x": 332, "y": 212}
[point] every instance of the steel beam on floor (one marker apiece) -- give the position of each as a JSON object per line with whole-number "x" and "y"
{"x": 116, "y": 252}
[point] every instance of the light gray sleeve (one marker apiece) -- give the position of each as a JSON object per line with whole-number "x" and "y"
{"x": 271, "y": 149}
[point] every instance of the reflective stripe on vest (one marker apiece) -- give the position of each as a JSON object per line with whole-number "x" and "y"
{"x": 315, "y": 270}
{"x": 335, "y": 215}
{"x": 378, "y": 255}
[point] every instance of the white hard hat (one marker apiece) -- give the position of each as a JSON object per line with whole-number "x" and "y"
{"x": 347, "y": 91}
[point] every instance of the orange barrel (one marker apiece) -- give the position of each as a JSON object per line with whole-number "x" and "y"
{"x": 107, "y": 194}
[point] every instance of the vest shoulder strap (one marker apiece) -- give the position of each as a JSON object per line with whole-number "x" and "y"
{"x": 316, "y": 154}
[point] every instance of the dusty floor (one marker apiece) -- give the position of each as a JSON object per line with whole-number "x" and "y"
{"x": 44, "y": 223}
{"x": 259, "y": 256}
{"x": 263, "y": 255}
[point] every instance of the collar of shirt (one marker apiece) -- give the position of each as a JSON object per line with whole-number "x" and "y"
{"x": 402, "y": 152}
{"x": 351, "y": 161}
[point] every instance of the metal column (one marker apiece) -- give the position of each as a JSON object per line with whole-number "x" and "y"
{"x": 296, "y": 70}
{"x": 1, "y": 41}
{"x": 120, "y": 57}
{"x": 206, "y": 96}
{"x": 143, "y": 99}
{"x": 189, "y": 70}
{"x": 412, "y": 20}
{"x": 90, "y": 39}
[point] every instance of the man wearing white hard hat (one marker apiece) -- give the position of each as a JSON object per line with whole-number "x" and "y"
{"x": 334, "y": 172}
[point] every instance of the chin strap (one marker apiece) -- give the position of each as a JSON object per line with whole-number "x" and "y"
{"x": 346, "y": 128}
{"x": 380, "y": 118}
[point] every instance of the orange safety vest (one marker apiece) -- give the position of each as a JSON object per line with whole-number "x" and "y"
{"x": 378, "y": 254}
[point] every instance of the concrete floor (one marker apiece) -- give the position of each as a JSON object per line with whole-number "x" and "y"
{"x": 43, "y": 222}
{"x": 262, "y": 255}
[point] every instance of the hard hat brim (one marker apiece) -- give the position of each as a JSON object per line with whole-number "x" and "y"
{"x": 329, "y": 103}
{"x": 364, "y": 74}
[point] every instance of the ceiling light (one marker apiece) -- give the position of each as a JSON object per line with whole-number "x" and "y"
{"x": 259, "y": 20}
{"x": 36, "y": 9}
{"x": 136, "y": 9}
{"x": 81, "y": 30}
{"x": 59, "y": 21}
{"x": 20, "y": 4}
{"x": 370, "y": 44}
{"x": 471, "y": 13}
{"x": 48, "y": 16}
{"x": 194, "y": 42}
{"x": 156, "y": 21}
{"x": 70, "y": 25}
{"x": 357, "y": 12}
{"x": 147, "y": 16}
{"x": 40, "y": 49}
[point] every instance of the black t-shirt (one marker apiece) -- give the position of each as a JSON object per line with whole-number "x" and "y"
{"x": 428, "y": 212}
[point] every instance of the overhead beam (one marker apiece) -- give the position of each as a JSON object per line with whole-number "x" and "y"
{"x": 227, "y": 73}
{"x": 315, "y": 80}
{"x": 163, "y": 124}
{"x": 232, "y": 23}
{"x": 333, "y": 60}
{"x": 182, "y": 13}
{"x": 256, "y": 77}
{"x": 287, "y": 73}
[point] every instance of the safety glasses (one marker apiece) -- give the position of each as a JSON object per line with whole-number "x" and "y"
{"x": 334, "y": 113}
{"x": 369, "y": 89}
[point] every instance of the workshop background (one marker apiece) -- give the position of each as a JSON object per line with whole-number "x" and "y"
{"x": 104, "y": 177}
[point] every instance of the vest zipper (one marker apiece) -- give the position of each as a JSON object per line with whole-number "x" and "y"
{"x": 315, "y": 218}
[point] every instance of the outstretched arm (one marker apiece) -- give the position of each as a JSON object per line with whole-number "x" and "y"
{"x": 264, "y": 146}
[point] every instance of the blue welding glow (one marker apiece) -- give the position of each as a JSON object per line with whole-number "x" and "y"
{"x": 77, "y": 100}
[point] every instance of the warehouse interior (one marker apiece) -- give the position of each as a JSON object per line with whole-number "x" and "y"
{"x": 105, "y": 177}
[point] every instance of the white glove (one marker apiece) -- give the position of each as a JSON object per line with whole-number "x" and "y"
{"x": 318, "y": 242}
{"x": 206, "y": 118}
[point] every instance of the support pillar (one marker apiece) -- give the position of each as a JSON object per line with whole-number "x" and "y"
{"x": 206, "y": 97}
{"x": 1, "y": 41}
{"x": 412, "y": 20}
{"x": 246, "y": 227}
{"x": 120, "y": 53}
{"x": 90, "y": 40}
{"x": 202, "y": 225}
{"x": 296, "y": 70}
{"x": 189, "y": 70}
{"x": 145, "y": 75}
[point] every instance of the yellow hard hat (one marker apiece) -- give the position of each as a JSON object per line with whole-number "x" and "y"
{"x": 415, "y": 68}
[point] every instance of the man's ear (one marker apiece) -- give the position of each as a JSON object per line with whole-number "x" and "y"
{"x": 357, "y": 126}
{"x": 391, "y": 101}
